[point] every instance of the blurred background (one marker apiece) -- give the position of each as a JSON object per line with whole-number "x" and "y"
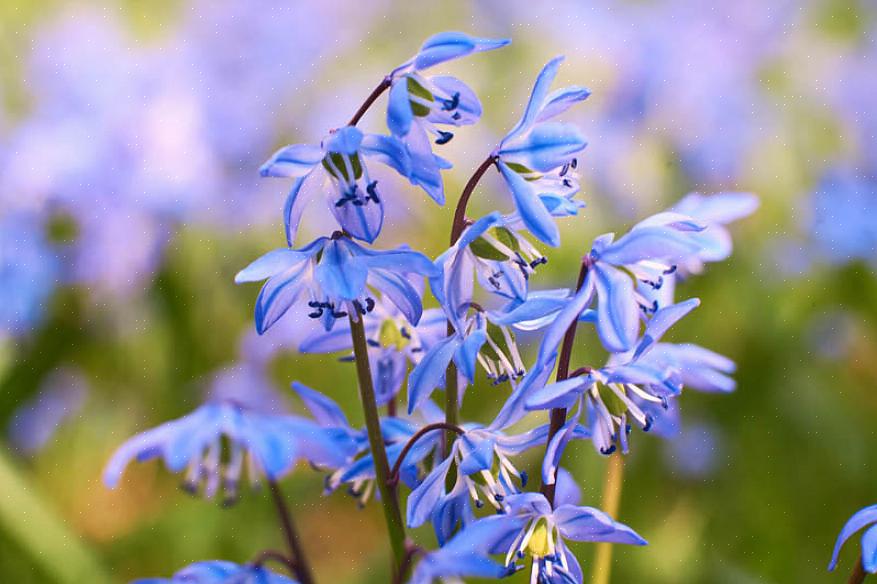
{"x": 130, "y": 138}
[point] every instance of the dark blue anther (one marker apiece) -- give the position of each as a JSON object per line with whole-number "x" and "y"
{"x": 524, "y": 478}
{"x": 404, "y": 332}
{"x": 648, "y": 425}
{"x": 499, "y": 498}
{"x": 564, "y": 169}
{"x": 316, "y": 314}
{"x": 456, "y": 116}
{"x": 574, "y": 162}
{"x": 451, "y": 104}
{"x": 372, "y": 343}
{"x": 444, "y": 137}
{"x": 567, "y": 183}
{"x": 607, "y": 451}
{"x": 339, "y": 313}
{"x": 369, "y": 304}
{"x": 372, "y": 191}
{"x": 670, "y": 270}
{"x": 479, "y": 503}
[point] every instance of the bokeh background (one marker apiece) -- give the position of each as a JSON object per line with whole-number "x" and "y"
{"x": 130, "y": 138}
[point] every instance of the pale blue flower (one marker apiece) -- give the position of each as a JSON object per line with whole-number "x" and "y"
{"x": 866, "y": 517}
{"x": 220, "y": 572}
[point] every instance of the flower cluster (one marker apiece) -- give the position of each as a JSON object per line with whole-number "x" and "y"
{"x": 468, "y": 479}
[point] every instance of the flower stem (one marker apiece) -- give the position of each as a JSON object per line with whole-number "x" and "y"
{"x": 859, "y": 573}
{"x": 374, "y": 95}
{"x": 299, "y": 560}
{"x": 558, "y": 415}
{"x": 452, "y": 391}
{"x": 394, "y": 473}
{"x": 266, "y": 556}
{"x": 612, "y": 486}
{"x": 395, "y": 527}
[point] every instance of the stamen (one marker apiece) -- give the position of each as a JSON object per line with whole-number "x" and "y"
{"x": 444, "y": 137}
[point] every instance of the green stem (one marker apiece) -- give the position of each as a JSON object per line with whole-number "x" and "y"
{"x": 612, "y": 486}
{"x": 293, "y": 541}
{"x": 395, "y": 527}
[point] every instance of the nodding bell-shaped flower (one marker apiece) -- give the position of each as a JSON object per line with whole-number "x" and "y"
{"x": 338, "y": 168}
{"x": 543, "y": 533}
{"x": 393, "y": 343}
{"x": 866, "y": 517}
{"x": 613, "y": 395}
{"x": 420, "y": 104}
{"x": 215, "y": 444}
{"x": 220, "y": 572}
{"x": 647, "y": 254}
{"x": 334, "y": 276}
{"x": 537, "y": 158}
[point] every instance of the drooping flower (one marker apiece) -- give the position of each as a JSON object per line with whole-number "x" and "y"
{"x": 537, "y": 158}
{"x": 419, "y": 104}
{"x": 216, "y": 442}
{"x": 649, "y": 252}
{"x": 339, "y": 161}
{"x": 613, "y": 395}
{"x": 543, "y": 533}
{"x": 862, "y": 518}
{"x": 334, "y": 276}
{"x": 220, "y": 572}
{"x": 393, "y": 342}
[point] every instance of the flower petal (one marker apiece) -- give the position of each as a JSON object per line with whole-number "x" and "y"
{"x": 423, "y": 499}
{"x": 534, "y": 215}
{"x": 560, "y": 100}
{"x": 430, "y": 372}
{"x": 537, "y": 99}
{"x": 860, "y": 519}
{"x": 546, "y": 147}
{"x": 296, "y": 160}
{"x": 617, "y": 309}
{"x": 445, "y": 46}
{"x": 399, "y": 113}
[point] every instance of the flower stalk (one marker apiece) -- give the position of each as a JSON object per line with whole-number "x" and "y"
{"x": 859, "y": 573}
{"x": 395, "y": 527}
{"x": 612, "y": 485}
{"x": 299, "y": 561}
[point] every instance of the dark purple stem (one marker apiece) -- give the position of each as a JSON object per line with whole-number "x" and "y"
{"x": 859, "y": 573}
{"x": 394, "y": 474}
{"x": 302, "y": 569}
{"x": 374, "y": 95}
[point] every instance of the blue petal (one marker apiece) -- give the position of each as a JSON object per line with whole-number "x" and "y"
{"x": 537, "y": 99}
{"x": 272, "y": 263}
{"x": 278, "y": 295}
{"x": 466, "y": 356}
{"x": 388, "y": 150}
{"x": 425, "y": 167}
{"x": 478, "y": 453}
{"x": 566, "y": 317}
{"x": 721, "y": 208}
{"x": 399, "y": 114}
{"x": 513, "y": 409}
{"x": 345, "y": 140}
{"x": 567, "y": 491}
{"x": 430, "y": 372}
{"x": 400, "y": 292}
{"x": 661, "y": 322}
{"x": 561, "y": 100}
{"x": 589, "y": 524}
{"x": 339, "y": 274}
{"x": 533, "y": 213}
{"x": 293, "y": 208}
{"x": 322, "y": 408}
{"x": 468, "y": 109}
{"x": 445, "y": 46}
{"x": 860, "y": 519}
{"x": 296, "y": 160}
{"x": 537, "y": 306}
{"x": 547, "y": 147}
{"x": 562, "y": 394}
{"x": 617, "y": 309}
{"x": 869, "y": 550}
{"x": 423, "y": 499}
{"x": 651, "y": 242}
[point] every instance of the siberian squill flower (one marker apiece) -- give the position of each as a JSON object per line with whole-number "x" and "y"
{"x": 418, "y": 104}
{"x": 645, "y": 255}
{"x": 216, "y": 442}
{"x": 467, "y": 554}
{"x": 537, "y": 158}
{"x": 544, "y": 530}
{"x": 862, "y": 518}
{"x": 334, "y": 276}
{"x": 357, "y": 469}
{"x": 613, "y": 394}
{"x": 337, "y": 166}
{"x": 393, "y": 342}
{"x": 220, "y": 572}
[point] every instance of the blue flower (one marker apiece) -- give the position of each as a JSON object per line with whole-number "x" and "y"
{"x": 419, "y": 104}
{"x": 537, "y": 158}
{"x": 334, "y": 276}
{"x": 698, "y": 368}
{"x": 220, "y": 572}
{"x": 542, "y": 532}
{"x": 214, "y": 443}
{"x": 862, "y": 518}
{"x": 394, "y": 343}
{"x": 644, "y": 256}
{"x": 354, "y": 198}
{"x": 613, "y": 394}
{"x": 467, "y": 554}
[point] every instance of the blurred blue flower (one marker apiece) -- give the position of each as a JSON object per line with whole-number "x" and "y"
{"x": 841, "y": 222}
{"x": 862, "y": 518}
{"x": 214, "y": 443}
{"x": 535, "y": 158}
{"x": 60, "y": 397}
{"x": 694, "y": 451}
{"x": 220, "y": 572}
{"x": 29, "y": 270}
{"x": 333, "y": 275}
